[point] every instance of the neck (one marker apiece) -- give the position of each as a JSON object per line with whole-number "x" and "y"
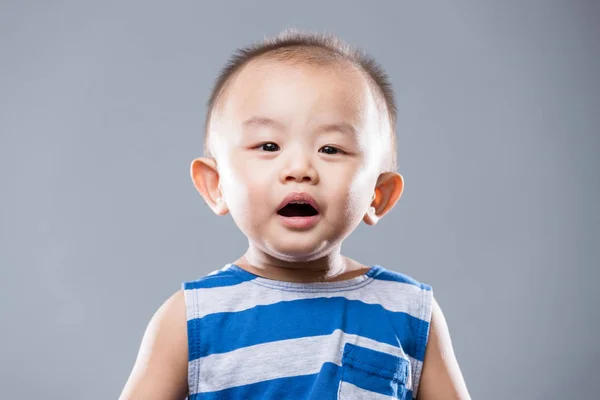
{"x": 330, "y": 267}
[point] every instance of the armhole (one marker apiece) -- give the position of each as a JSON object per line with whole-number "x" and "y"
{"x": 423, "y": 334}
{"x": 192, "y": 312}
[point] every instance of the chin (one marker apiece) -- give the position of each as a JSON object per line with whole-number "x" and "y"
{"x": 297, "y": 252}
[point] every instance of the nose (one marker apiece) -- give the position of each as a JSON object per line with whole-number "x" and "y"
{"x": 299, "y": 168}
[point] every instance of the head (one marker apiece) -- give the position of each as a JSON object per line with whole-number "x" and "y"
{"x": 303, "y": 116}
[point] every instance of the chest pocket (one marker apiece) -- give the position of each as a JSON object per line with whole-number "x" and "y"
{"x": 372, "y": 375}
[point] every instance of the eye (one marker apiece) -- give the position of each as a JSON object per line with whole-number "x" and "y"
{"x": 329, "y": 150}
{"x": 268, "y": 147}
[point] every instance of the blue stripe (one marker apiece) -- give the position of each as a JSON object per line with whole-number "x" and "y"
{"x": 321, "y": 386}
{"x": 217, "y": 280}
{"x": 387, "y": 275}
{"x": 387, "y": 366}
{"x": 375, "y": 371}
{"x": 227, "y": 331}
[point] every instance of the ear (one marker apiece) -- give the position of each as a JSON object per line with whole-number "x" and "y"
{"x": 387, "y": 192}
{"x": 206, "y": 180}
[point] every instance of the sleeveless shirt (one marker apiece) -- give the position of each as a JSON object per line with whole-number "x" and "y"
{"x": 251, "y": 337}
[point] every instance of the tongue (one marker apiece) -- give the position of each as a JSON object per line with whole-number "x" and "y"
{"x": 298, "y": 210}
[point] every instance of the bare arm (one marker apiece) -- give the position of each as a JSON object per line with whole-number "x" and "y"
{"x": 160, "y": 370}
{"x": 441, "y": 378}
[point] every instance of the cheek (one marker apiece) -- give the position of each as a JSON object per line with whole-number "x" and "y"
{"x": 352, "y": 195}
{"x": 245, "y": 187}
{"x": 360, "y": 192}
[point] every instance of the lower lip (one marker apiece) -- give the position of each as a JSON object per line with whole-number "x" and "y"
{"x": 299, "y": 222}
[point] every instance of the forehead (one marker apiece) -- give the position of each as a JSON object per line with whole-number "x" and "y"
{"x": 299, "y": 93}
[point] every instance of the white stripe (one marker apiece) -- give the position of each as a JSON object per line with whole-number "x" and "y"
{"x": 393, "y": 296}
{"x": 279, "y": 359}
{"x": 427, "y": 302}
{"x": 350, "y": 391}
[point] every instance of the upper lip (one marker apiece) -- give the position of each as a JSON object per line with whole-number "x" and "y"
{"x": 299, "y": 197}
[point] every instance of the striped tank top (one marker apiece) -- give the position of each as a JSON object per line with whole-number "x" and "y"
{"x": 255, "y": 338}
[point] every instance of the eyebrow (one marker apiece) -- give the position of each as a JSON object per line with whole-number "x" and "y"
{"x": 342, "y": 127}
{"x": 263, "y": 121}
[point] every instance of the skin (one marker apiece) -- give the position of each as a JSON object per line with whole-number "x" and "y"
{"x": 281, "y": 128}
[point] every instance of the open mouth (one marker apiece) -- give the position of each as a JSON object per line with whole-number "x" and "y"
{"x": 298, "y": 209}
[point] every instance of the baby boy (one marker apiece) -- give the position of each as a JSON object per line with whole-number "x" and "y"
{"x": 300, "y": 146}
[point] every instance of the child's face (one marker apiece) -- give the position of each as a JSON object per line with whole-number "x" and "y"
{"x": 273, "y": 136}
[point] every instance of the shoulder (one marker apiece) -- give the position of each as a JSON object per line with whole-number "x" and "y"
{"x": 166, "y": 330}
{"x": 167, "y": 322}
{"x": 160, "y": 369}
{"x": 171, "y": 314}
{"x": 441, "y": 376}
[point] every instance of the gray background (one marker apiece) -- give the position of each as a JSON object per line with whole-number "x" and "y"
{"x": 101, "y": 112}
